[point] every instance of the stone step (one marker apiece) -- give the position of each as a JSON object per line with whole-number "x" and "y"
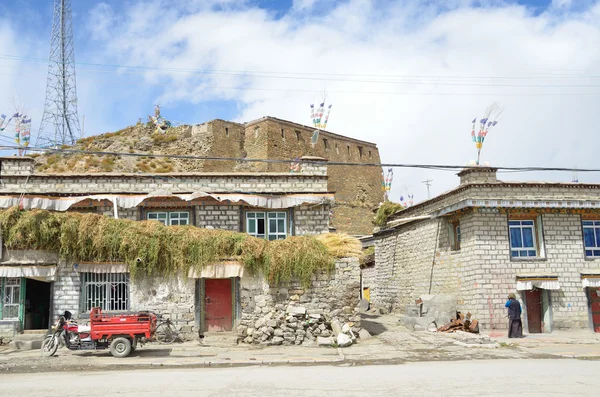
{"x": 29, "y": 336}
{"x": 35, "y": 331}
{"x": 219, "y": 339}
{"x": 25, "y": 344}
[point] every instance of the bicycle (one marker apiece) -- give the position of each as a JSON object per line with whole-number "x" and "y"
{"x": 165, "y": 331}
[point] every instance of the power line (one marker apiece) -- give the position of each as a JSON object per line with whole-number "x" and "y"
{"x": 439, "y": 167}
{"x": 437, "y": 80}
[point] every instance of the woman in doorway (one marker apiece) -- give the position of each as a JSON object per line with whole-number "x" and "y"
{"x": 515, "y": 327}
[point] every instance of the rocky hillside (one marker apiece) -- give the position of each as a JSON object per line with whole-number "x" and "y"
{"x": 140, "y": 138}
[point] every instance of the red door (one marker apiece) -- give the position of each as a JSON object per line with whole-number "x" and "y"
{"x": 595, "y": 300}
{"x": 218, "y": 305}
{"x": 533, "y": 300}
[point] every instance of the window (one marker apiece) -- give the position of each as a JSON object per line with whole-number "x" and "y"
{"x": 110, "y": 291}
{"x": 297, "y": 135}
{"x": 11, "y": 297}
{"x": 591, "y": 238}
{"x": 348, "y": 150}
{"x": 337, "y": 149}
{"x": 282, "y": 134}
{"x": 170, "y": 218}
{"x": 522, "y": 238}
{"x": 269, "y": 225}
{"x": 360, "y": 149}
{"x": 370, "y": 155}
{"x": 326, "y": 144}
{"x": 455, "y": 235}
{"x": 226, "y": 132}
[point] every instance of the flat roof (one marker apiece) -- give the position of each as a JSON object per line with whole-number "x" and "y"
{"x": 297, "y": 125}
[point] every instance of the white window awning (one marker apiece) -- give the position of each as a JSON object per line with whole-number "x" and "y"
{"x": 41, "y": 273}
{"x": 590, "y": 279}
{"x": 101, "y": 267}
{"x": 219, "y": 270}
{"x": 547, "y": 282}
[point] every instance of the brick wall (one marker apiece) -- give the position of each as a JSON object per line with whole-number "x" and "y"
{"x": 311, "y": 220}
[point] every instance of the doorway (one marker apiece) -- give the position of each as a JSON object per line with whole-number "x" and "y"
{"x": 37, "y": 304}
{"x": 218, "y": 305}
{"x": 533, "y": 302}
{"x": 594, "y": 296}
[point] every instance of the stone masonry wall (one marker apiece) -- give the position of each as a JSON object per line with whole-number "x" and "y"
{"x": 405, "y": 268}
{"x": 218, "y": 216}
{"x": 497, "y": 271}
{"x": 482, "y": 273}
{"x": 311, "y": 220}
{"x": 66, "y": 291}
{"x": 172, "y": 298}
{"x": 292, "y": 314}
{"x": 115, "y": 183}
{"x": 357, "y": 189}
{"x": 512, "y": 191}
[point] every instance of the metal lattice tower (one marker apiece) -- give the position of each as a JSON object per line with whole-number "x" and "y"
{"x": 60, "y": 109}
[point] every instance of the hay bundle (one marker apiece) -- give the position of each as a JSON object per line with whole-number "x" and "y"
{"x": 341, "y": 245}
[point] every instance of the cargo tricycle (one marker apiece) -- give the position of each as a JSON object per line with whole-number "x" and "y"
{"x": 122, "y": 333}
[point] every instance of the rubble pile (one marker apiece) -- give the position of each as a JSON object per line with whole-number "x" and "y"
{"x": 461, "y": 323}
{"x": 296, "y": 326}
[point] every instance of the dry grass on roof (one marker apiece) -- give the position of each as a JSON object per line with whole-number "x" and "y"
{"x": 151, "y": 248}
{"x": 385, "y": 211}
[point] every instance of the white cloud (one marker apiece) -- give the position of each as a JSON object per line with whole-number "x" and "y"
{"x": 409, "y": 77}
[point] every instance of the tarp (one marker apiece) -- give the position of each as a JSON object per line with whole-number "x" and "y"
{"x": 131, "y": 201}
{"x": 41, "y": 273}
{"x": 219, "y": 270}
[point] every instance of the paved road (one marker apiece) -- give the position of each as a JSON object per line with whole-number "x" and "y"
{"x": 558, "y": 377}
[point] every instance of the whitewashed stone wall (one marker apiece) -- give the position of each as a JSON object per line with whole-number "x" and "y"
{"x": 290, "y": 314}
{"x": 311, "y": 220}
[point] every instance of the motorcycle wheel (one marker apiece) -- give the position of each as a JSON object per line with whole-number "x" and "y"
{"x": 50, "y": 345}
{"x": 120, "y": 347}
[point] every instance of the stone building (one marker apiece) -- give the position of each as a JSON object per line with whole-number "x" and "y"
{"x": 357, "y": 189}
{"x": 487, "y": 238}
{"x": 37, "y": 286}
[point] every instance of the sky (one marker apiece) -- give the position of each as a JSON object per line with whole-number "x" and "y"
{"x": 407, "y": 75}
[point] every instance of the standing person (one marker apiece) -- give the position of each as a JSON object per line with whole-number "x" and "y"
{"x": 515, "y": 327}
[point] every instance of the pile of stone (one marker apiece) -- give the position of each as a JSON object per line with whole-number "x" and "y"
{"x": 297, "y": 326}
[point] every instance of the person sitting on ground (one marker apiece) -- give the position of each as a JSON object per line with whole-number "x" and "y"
{"x": 515, "y": 327}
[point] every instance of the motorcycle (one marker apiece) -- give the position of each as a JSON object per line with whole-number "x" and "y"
{"x": 67, "y": 332}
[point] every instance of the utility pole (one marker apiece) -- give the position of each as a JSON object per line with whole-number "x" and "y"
{"x": 428, "y": 183}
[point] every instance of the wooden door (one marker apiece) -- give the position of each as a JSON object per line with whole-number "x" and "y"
{"x": 533, "y": 300}
{"x": 218, "y": 305}
{"x": 595, "y": 301}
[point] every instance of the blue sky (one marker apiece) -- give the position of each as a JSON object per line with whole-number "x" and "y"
{"x": 408, "y": 75}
